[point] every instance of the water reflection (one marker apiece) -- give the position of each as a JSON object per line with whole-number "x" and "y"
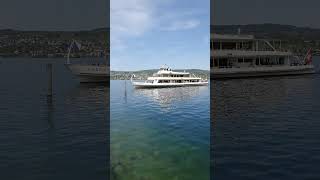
{"x": 96, "y": 93}
{"x": 50, "y": 110}
{"x": 258, "y": 91}
{"x": 246, "y": 115}
{"x": 125, "y": 92}
{"x": 167, "y": 96}
{"x": 229, "y": 97}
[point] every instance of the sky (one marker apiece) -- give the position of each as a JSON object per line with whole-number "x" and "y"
{"x": 289, "y": 12}
{"x": 64, "y": 15}
{"x": 146, "y": 34}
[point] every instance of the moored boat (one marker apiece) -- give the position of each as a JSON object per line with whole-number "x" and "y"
{"x": 241, "y": 56}
{"x": 89, "y": 72}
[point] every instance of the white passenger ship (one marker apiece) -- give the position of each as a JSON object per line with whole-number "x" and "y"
{"x": 88, "y": 73}
{"x": 166, "y": 77}
{"x": 240, "y": 56}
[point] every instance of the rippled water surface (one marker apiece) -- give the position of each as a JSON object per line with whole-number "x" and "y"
{"x": 159, "y": 133}
{"x": 266, "y": 128}
{"x": 62, "y": 139}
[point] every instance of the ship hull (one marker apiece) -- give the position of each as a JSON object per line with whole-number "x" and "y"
{"x": 232, "y": 73}
{"x": 166, "y": 85}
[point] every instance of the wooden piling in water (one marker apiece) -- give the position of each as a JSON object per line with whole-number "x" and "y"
{"x": 50, "y": 77}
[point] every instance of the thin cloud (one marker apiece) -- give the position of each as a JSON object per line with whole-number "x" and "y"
{"x": 182, "y": 25}
{"x": 134, "y": 18}
{"x": 129, "y": 19}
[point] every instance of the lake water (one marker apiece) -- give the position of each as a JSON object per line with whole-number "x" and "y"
{"x": 159, "y": 133}
{"x": 63, "y": 139}
{"x": 266, "y": 128}
{"x": 262, "y": 128}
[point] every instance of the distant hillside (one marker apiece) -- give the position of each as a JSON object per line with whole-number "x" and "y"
{"x": 16, "y": 43}
{"x": 90, "y": 35}
{"x": 273, "y": 31}
{"x": 143, "y": 74}
{"x": 102, "y": 29}
{"x": 295, "y": 39}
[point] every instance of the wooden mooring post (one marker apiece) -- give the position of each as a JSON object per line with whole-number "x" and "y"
{"x": 50, "y": 78}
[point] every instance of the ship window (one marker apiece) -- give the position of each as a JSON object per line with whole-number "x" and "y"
{"x": 216, "y": 45}
{"x": 247, "y": 60}
{"x": 268, "y": 60}
{"x": 215, "y": 62}
{"x": 247, "y": 45}
{"x": 223, "y": 62}
{"x": 229, "y": 45}
{"x": 281, "y": 60}
{"x": 240, "y": 60}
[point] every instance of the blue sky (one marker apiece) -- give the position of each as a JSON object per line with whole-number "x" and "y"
{"x": 146, "y": 34}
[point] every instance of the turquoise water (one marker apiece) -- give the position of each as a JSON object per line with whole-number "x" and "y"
{"x": 159, "y": 133}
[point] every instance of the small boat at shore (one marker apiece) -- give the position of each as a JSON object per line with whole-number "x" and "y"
{"x": 89, "y": 72}
{"x": 242, "y": 56}
{"x": 166, "y": 77}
